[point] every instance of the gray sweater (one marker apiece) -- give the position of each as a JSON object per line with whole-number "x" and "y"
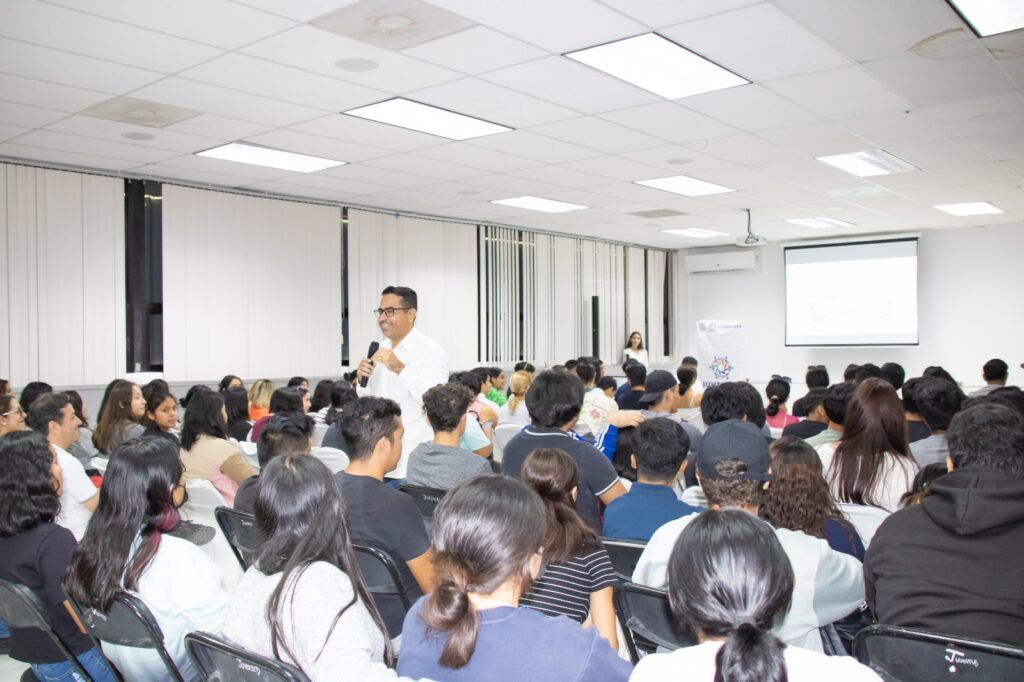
{"x": 443, "y": 466}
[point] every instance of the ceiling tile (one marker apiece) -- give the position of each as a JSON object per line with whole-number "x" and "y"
{"x": 303, "y": 143}
{"x": 596, "y": 133}
{"x": 677, "y": 160}
{"x": 47, "y": 95}
{"x": 745, "y": 150}
{"x": 403, "y": 197}
{"x": 377, "y": 176}
{"x": 77, "y": 144}
{"x": 57, "y": 66}
{"x": 904, "y": 127}
{"x": 802, "y": 172}
{"x": 219, "y": 127}
{"x": 658, "y": 13}
{"x": 341, "y": 127}
{"x": 192, "y": 175}
{"x": 931, "y": 81}
{"x": 163, "y": 138}
{"x": 29, "y": 117}
{"x": 533, "y": 146}
{"x": 431, "y": 168}
{"x": 561, "y": 177}
{"x": 86, "y": 161}
{"x": 671, "y": 122}
{"x": 300, "y": 10}
{"x": 750, "y": 108}
{"x": 8, "y": 131}
{"x": 475, "y": 50}
{"x": 208, "y": 164}
{"x": 510, "y": 185}
{"x": 953, "y": 152}
{"x": 816, "y": 139}
{"x": 477, "y": 157}
{"x": 614, "y": 167}
{"x": 1000, "y": 146}
{"x": 981, "y": 116}
{"x": 475, "y": 97}
{"x": 950, "y": 176}
{"x": 334, "y": 183}
{"x": 841, "y": 93}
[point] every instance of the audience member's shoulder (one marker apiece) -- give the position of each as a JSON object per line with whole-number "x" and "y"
{"x": 807, "y": 665}
{"x": 323, "y": 575}
{"x": 668, "y": 533}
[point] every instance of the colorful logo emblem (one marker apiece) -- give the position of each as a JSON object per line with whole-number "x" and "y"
{"x": 721, "y": 367}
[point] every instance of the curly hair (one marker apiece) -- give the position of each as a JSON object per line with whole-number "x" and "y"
{"x": 798, "y": 497}
{"x": 28, "y": 491}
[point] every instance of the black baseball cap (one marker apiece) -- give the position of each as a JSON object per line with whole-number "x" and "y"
{"x": 657, "y": 382}
{"x": 735, "y": 439}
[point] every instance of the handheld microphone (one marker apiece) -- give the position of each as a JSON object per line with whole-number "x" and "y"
{"x": 374, "y": 347}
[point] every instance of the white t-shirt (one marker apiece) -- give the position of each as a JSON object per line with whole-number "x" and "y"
{"x": 895, "y": 479}
{"x": 520, "y": 417}
{"x": 638, "y": 355}
{"x": 76, "y": 489}
{"x": 802, "y": 665}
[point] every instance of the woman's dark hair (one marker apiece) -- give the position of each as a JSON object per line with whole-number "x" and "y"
{"x": 485, "y": 533}
{"x": 470, "y": 380}
{"x": 922, "y": 482}
{"x": 625, "y": 448}
{"x": 686, "y": 376}
{"x": 553, "y": 475}
{"x": 33, "y": 390}
{"x": 106, "y": 393}
{"x": 850, "y": 372}
{"x": 155, "y": 396}
{"x": 236, "y": 402}
{"x": 76, "y": 405}
{"x": 321, "y": 397}
{"x": 5, "y": 402}
{"x": 192, "y": 392}
{"x": 204, "y": 417}
{"x": 873, "y": 426}
{"x": 629, "y": 340}
{"x": 798, "y": 498}
{"x": 295, "y": 382}
{"x": 524, "y": 367}
{"x": 286, "y": 400}
{"x": 115, "y": 414}
{"x": 342, "y": 394}
{"x": 777, "y": 391}
{"x": 226, "y": 382}
{"x": 586, "y": 370}
{"x": 136, "y": 497}
{"x": 754, "y": 412}
{"x": 28, "y": 491}
{"x": 554, "y": 399}
{"x": 157, "y": 383}
{"x": 729, "y": 577}
{"x": 302, "y": 517}
{"x": 5, "y": 384}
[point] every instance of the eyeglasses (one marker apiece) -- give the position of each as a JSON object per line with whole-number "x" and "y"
{"x": 388, "y": 312}
{"x": 17, "y": 411}
{"x": 779, "y": 376}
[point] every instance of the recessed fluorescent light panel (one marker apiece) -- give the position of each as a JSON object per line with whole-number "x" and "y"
{"x": 696, "y": 233}
{"x": 539, "y": 204}
{"x": 868, "y": 163}
{"x": 989, "y": 17}
{"x": 820, "y": 222}
{"x": 424, "y": 118}
{"x": 271, "y": 158}
{"x": 685, "y": 185}
{"x": 969, "y": 208}
{"x": 658, "y": 65}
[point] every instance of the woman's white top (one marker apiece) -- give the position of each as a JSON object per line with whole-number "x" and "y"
{"x": 353, "y": 650}
{"x": 638, "y": 355}
{"x": 521, "y": 417}
{"x": 895, "y": 479}
{"x": 802, "y": 665}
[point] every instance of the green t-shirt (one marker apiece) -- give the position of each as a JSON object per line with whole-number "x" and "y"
{"x": 496, "y": 396}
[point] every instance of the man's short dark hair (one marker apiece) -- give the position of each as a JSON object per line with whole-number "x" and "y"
{"x": 867, "y": 371}
{"x": 722, "y": 402}
{"x": 813, "y": 398}
{"x": 738, "y": 492}
{"x": 554, "y": 399}
{"x": 570, "y": 364}
{"x": 995, "y": 370}
{"x": 754, "y": 411}
{"x": 483, "y": 374}
{"x": 364, "y": 421}
{"x": 636, "y": 374}
{"x": 689, "y": 360}
{"x": 837, "y": 397}
{"x": 894, "y": 373}
{"x": 938, "y": 371}
{"x": 31, "y": 393}
{"x": 408, "y": 296}
{"x": 446, "y": 405}
{"x": 288, "y": 399}
{"x": 660, "y": 446}
{"x": 586, "y": 370}
{"x": 850, "y": 372}
{"x": 909, "y": 387}
{"x": 470, "y": 380}
{"x": 816, "y": 377}
{"x": 937, "y": 401}
{"x": 1012, "y": 395}
{"x": 47, "y": 408}
{"x": 604, "y": 383}
{"x": 525, "y": 367}
{"x": 286, "y": 433}
{"x": 990, "y": 436}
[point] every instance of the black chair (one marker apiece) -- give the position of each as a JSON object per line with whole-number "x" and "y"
{"x": 240, "y": 529}
{"x": 127, "y": 623}
{"x": 647, "y": 621}
{"x": 220, "y": 660}
{"x": 380, "y": 573}
{"x": 624, "y": 555}
{"x": 21, "y": 608}
{"x": 426, "y": 499}
{"x": 905, "y": 655}
{"x": 831, "y": 643}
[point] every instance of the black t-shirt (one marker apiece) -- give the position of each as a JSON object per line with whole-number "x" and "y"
{"x": 245, "y": 498}
{"x": 630, "y": 400}
{"x": 38, "y": 558}
{"x": 334, "y": 439}
{"x": 596, "y": 473}
{"x": 799, "y": 408}
{"x": 386, "y": 519}
{"x": 917, "y": 431}
{"x": 804, "y": 429}
{"x": 239, "y": 429}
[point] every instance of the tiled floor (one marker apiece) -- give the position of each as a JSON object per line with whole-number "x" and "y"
{"x": 11, "y": 670}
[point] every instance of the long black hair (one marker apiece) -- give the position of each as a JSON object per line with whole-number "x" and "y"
{"x": 302, "y": 516}
{"x": 137, "y": 496}
{"x": 236, "y": 402}
{"x": 28, "y": 491}
{"x": 729, "y": 577}
{"x": 321, "y": 395}
{"x": 777, "y": 391}
{"x": 342, "y": 394}
{"x": 203, "y": 417}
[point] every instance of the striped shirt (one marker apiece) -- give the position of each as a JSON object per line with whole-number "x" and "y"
{"x": 564, "y": 589}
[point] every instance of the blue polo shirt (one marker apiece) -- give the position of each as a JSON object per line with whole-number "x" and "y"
{"x": 643, "y": 510}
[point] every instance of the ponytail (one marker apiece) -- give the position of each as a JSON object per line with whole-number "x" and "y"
{"x": 772, "y": 408}
{"x": 553, "y": 475}
{"x": 751, "y": 654}
{"x": 449, "y": 610}
{"x": 777, "y": 391}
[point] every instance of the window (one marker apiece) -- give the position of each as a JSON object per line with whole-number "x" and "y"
{"x": 143, "y": 247}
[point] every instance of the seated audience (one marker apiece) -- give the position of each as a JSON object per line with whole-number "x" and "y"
{"x": 871, "y": 465}
{"x": 661, "y": 401}
{"x": 815, "y": 420}
{"x": 205, "y": 449}
{"x": 690, "y": 362}
{"x": 554, "y": 401}
{"x": 689, "y": 398}
{"x": 228, "y": 382}
{"x": 816, "y": 377}
{"x": 955, "y": 563}
{"x": 53, "y": 416}
{"x": 937, "y": 401}
{"x": 867, "y": 371}
{"x": 342, "y": 394}
{"x": 290, "y": 399}
{"x": 259, "y": 398}
{"x": 730, "y": 581}
{"x": 940, "y": 372}
{"x": 732, "y": 466}
{"x": 916, "y": 428}
{"x": 486, "y": 386}
{"x": 624, "y": 460}
{"x": 850, "y": 373}
{"x": 121, "y": 417}
{"x": 597, "y": 410}
{"x": 488, "y": 533}
{"x": 525, "y": 367}
{"x": 1012, "y": 395}
{"x": 320, "y": 403}
{"x": 127, "y": 547}
{"x": 514, "y": 410}
{"x": 836, "y": 399}
{"x": 894, "y": 374}
{"x": 799, "y": 499}
{"x": 33, "y": 390}
{"x": 35, "y": 552}
{"x": 723, "y": 402}
{"x": 922, "y": 483}
{"x": 497, "y": 393}
{"x": 441, "y": 463}
{"x": 660, "y": 447}
{"x": 755, "y": 413}
{"x": 303, "y": 601}
{"x": 381, "y": 516}
{"x": 288, "y": 433}
{"x": 636, "y": 375}
{"x": 608, "y": 385}
{"x": 161, "y": 416}
{"x": 83, "y": 449}
{"x": 12, "y": 415}
{"x": 777, "y": 392}
{"x": 482, "y": 417}
{"x": 301, "y": 383}
{"x": 995, "y": 372}
{"x": 236, "y": 403}
{"x": 577, "y": 578}
{"x": 192, "y": 392}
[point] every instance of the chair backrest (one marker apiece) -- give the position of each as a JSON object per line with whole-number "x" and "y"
{"x": 426, "y": 499}
{"x": 219, "y": 659}
{"x": 624, "y": 555}
{"x": 335, "y": 459}
{"x": 201, "y": 506}
{"x": 128, "y": 623}
{"x": 241, "y": 532}
{"x": 503, "y": 433}
{"x": 21, "y": 608}
{"x": 647, "y": 621}
{"x": 380, "y": 573}
{"x": 249, "y": 454}
{"x": 905, "y": 655}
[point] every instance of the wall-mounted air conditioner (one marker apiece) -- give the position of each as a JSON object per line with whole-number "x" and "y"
{"x": 729, "y": 261}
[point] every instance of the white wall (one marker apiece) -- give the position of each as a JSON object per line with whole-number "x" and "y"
{"x": 969, "y": 286}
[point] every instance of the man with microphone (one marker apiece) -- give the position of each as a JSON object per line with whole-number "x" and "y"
{"x": 403, "y": 367}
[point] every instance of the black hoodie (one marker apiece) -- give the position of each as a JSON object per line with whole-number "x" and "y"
{"x": 955, "y": 563}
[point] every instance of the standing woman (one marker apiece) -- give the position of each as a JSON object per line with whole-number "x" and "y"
{"x": 127, "y": 547}
{"x": 120, "y": 417}
{"x": 12, "y": 417}
{"x": 35, "y": 552}
{"x": 205, "y": 449}
{"x": 635, "y": 349}
{"x": 578, "y": 577}
{"x": 777, "y": 392}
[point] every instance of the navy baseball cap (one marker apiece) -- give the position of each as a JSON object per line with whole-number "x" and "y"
{"x": 735, "y": 439}
{"x": 657, "y": 382}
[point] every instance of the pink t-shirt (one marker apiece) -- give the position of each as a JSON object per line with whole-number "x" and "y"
{"x": 781, "y": 419}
